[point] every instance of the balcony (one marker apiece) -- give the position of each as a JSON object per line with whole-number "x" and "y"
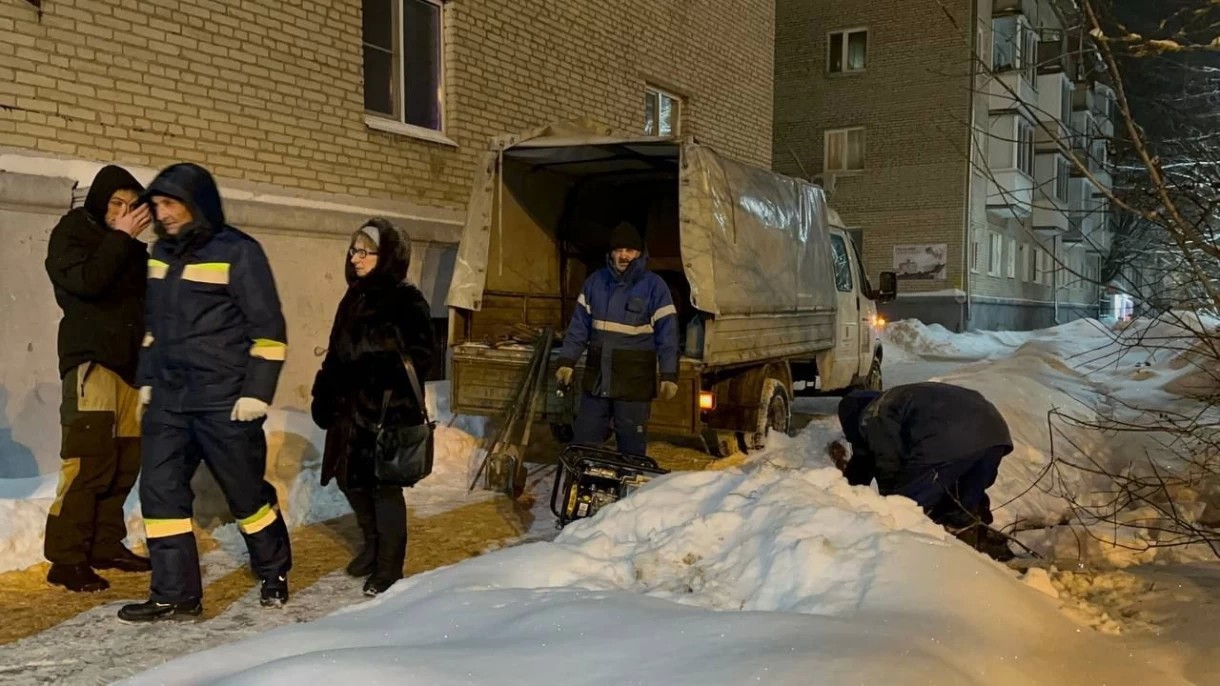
{"x": 1051, "y": 209}
{"x": 1009, "y": 193}
{"x": 1004, "y": 86}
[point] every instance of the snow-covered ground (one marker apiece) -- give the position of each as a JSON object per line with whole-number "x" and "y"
{"x": 772, "y": 571}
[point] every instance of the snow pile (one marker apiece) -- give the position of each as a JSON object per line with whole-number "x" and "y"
{"x": 912, "y": 339}
{"x": 1071, "y": 377}
{"x": 294, "y": 459}
{"x": 771, "y": 572}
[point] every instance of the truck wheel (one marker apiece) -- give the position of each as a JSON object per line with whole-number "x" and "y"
{"x": 777, "y": 417}
{"x": 872, "y": 382}
{"x": 562, "y": 433}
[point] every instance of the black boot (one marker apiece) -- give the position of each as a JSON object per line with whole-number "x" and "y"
{"x": 152, "y": 611}
{"x": 274, "y": 592}
{"x": 391, "y": 521}
{"x": 363, "y": 505}
{"x": 79, "y": 578}
{"x": 126, "y": 561}
{"x": 365, "y": 561}
{"x": 375, "y": 585}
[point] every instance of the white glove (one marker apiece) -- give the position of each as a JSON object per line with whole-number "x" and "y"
{"x": 669, "y": 389}
{"x": 248, "y": 410}
{"x": 145, "y": 398}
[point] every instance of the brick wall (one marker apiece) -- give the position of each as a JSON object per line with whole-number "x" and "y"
{"x": 913, "y": 101}
{"x": 271, "y": 92}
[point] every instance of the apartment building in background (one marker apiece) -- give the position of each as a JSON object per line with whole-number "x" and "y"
{"x": 316, "y": 115}
{"x": 939, "y": 128}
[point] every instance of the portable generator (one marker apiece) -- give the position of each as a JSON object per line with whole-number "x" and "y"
{"x": 591, "y": 478}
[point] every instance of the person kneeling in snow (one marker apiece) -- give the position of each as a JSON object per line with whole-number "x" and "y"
{"x": 935, "y": 443}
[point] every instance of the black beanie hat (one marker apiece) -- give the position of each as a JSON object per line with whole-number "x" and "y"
{"x": 626, "y": 236}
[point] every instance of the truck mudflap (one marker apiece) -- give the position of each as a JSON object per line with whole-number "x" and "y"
{"x": 483, "y": 379}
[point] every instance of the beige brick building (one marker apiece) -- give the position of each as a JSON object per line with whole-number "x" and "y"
{"x": 939, "y": 129}
{"x": 314, "y": 115}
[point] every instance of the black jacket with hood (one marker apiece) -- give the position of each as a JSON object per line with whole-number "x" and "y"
{"x": 216, "y": 331}
{"x": 901, "y": 433}
{"x": 98, "y": 274}
{"x": 379, "y": 319}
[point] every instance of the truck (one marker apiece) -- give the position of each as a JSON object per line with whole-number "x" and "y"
{"x": 773, "y": 302}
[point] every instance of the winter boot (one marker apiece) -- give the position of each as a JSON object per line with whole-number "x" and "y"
{"x": 375, "y": 585}
{"x": 125, "y": 561}
{"x": 79, "y": 578}
{"x": 274, "y": 592}
{"x": 152, "y": 611}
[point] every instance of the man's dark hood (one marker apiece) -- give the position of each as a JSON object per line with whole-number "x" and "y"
{"x": 193, "y": 186}
{"x": 111, "y": 178}
{"x": 851, "y": 407}
{"x": 393, "y": 255}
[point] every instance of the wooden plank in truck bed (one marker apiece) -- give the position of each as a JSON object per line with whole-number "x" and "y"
{"x": 484, "y": 379}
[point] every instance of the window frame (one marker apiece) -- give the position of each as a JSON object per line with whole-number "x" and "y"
{"x": 654, "y": 92}
{"x": 846, "y": 132}
{"x": 995, "y": 254}
{"x": 845, "y": 49}
{"x": 838, "y": 244}
{"x": 397, "y": 123}
{"x": 1025, "y": 140}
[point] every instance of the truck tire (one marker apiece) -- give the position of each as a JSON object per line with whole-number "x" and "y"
{"x": 776, "y": 415}
{"x": 873, "y": 381}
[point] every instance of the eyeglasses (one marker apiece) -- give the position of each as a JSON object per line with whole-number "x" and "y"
{"x": 357, "y": 252}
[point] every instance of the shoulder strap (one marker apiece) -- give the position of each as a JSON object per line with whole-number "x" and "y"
{"x": 415, "y": 387}
{"x": 419, "y": 393}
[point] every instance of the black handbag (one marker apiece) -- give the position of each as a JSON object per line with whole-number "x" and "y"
{"x": 404, "y": 454}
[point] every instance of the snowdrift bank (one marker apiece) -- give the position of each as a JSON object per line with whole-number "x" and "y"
{"x": 294, "y": 457}
{"x": 1053, "y": 389}
{"x": 773, "y": 572}
{"x": 912, "y": 339}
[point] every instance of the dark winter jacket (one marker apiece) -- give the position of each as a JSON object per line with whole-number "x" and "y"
{"x": 380, "y": 318}
{"x": 627, "y": 321}
{"x": 216, "y": 332}
{"x": 98, "y": 274}
{"x": 903, "y": 432}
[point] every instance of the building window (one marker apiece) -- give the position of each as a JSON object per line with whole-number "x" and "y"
{"x": 1034, "y": 264}
{"x": 1065, "y": 103}
{"x": 844, "y": 150}
{"x": 1014, "y": 46}
{"x": 847, "y": 51}
{"x": 1063, "y": 176}
{"x": 1012, "y": 258}
{"x": 1025, "y": 146}
{"x": 975, "y": 249}
{"x": 662, "y": 113}
{"x": 838, "y": 250}
{"x": 995, "y": 255}
{"x": 403, "y": 70}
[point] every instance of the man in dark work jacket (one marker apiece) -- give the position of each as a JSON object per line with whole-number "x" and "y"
{"x": 98, "y": 270}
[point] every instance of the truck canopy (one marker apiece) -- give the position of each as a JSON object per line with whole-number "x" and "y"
{"x": 748, "y": 241}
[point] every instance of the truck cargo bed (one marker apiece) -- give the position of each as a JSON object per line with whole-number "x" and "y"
{"x": 484, "y": 379}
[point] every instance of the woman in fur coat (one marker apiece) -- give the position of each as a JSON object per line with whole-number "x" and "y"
{"x": 381, "y": 319}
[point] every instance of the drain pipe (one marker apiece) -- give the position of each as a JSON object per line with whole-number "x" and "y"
{"x": 1055, "y": 277}
{"x": 968, "y": 223}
